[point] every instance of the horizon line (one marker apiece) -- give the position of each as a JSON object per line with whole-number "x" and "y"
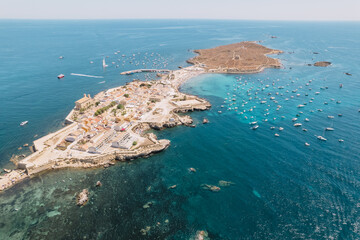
{"x": 184, "y": 19}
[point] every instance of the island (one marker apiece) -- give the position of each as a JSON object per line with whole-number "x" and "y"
{"x": 243, "y": 57}
{"x": 113, "y": 125}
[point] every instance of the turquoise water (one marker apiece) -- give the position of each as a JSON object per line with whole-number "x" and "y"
{"x": 282, "y": 189}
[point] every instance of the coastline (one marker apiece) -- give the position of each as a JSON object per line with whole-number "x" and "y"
{"x": 94, "y": 127}
{"x": 46, "y": 157}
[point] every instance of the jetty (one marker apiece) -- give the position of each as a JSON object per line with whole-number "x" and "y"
{"x": 145, "y": 70}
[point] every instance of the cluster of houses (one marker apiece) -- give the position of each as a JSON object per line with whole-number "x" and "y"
{"x": 112, "y": 128}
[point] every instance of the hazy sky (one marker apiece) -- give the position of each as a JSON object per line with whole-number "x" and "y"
{"x": 180, "y": 9}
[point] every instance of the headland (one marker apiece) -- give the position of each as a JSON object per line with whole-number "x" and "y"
{"x": 113, "y": 125}
{"x": 242, "y": 57}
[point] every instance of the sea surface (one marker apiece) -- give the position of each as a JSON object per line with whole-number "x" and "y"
{"x": 279, "y": 188}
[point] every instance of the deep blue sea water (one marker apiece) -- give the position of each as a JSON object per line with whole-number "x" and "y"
{"x": 282, "y": 189}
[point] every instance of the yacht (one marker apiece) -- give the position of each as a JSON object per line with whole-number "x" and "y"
{"x": 255, "y": 127}
{"x": 23, "y": 123}
{"x": 321, "y": 138}
{"x": 307, "y": 144}
{"x": 329, "y": 129}
{"x": 297, "y": 125}
{"x": 104, "y": 63}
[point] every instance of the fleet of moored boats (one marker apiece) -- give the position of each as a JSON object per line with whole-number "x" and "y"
{"x": 252, "y": 97}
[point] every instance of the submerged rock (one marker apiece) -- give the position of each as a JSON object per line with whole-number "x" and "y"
{"x": 147, "y": 205}
{"x": 223, "y": 183}
{"x": 145, "y": 230}
{"x": 192, "y": 169}
{"x": 82, "y": 198}
{"x": 212, "y": 188}
{"x": 202, "y": 235}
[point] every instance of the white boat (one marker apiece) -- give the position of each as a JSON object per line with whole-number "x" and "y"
{"x": 277, "y": 135}
{"x": 294, "y": 119}
{"x": 297, "y": 125}
{"x": 281, "y": 128}
{"x": 253, "y": 123}
{"x": 341, "y": 140}
{"x": 104, "y": 63}
{"x": 306, "y": 119}
{"x": 255, "y": 127}
{"x": 329, "y": 129}
{"x": 321, "y": 138}
{"x": 23, "y": 123}
{"x": 331, "y": 117}
{"x": 301, "y": 106}
{"x": 307, "y": 144}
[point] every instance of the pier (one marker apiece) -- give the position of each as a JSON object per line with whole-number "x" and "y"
{"x": 145, "y": 70}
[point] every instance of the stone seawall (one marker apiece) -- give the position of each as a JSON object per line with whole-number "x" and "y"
{"x": 101, "y": 160}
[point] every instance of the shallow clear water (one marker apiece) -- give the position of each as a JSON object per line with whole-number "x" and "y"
{"x": 282, "y": 189}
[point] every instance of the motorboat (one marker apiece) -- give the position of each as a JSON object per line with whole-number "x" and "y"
{"x": 297, "y": 125}
{"x": 321, "y": 138}
{"x": 104, "y": 63}
{"x": 255, "y": 127}
{"x": 23, "y": 123}
{"x": 60, "y": 76}
{"x": 329, "y": 129}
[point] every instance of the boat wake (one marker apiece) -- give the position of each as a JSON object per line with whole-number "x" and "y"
{"x": 84, "y": 75}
